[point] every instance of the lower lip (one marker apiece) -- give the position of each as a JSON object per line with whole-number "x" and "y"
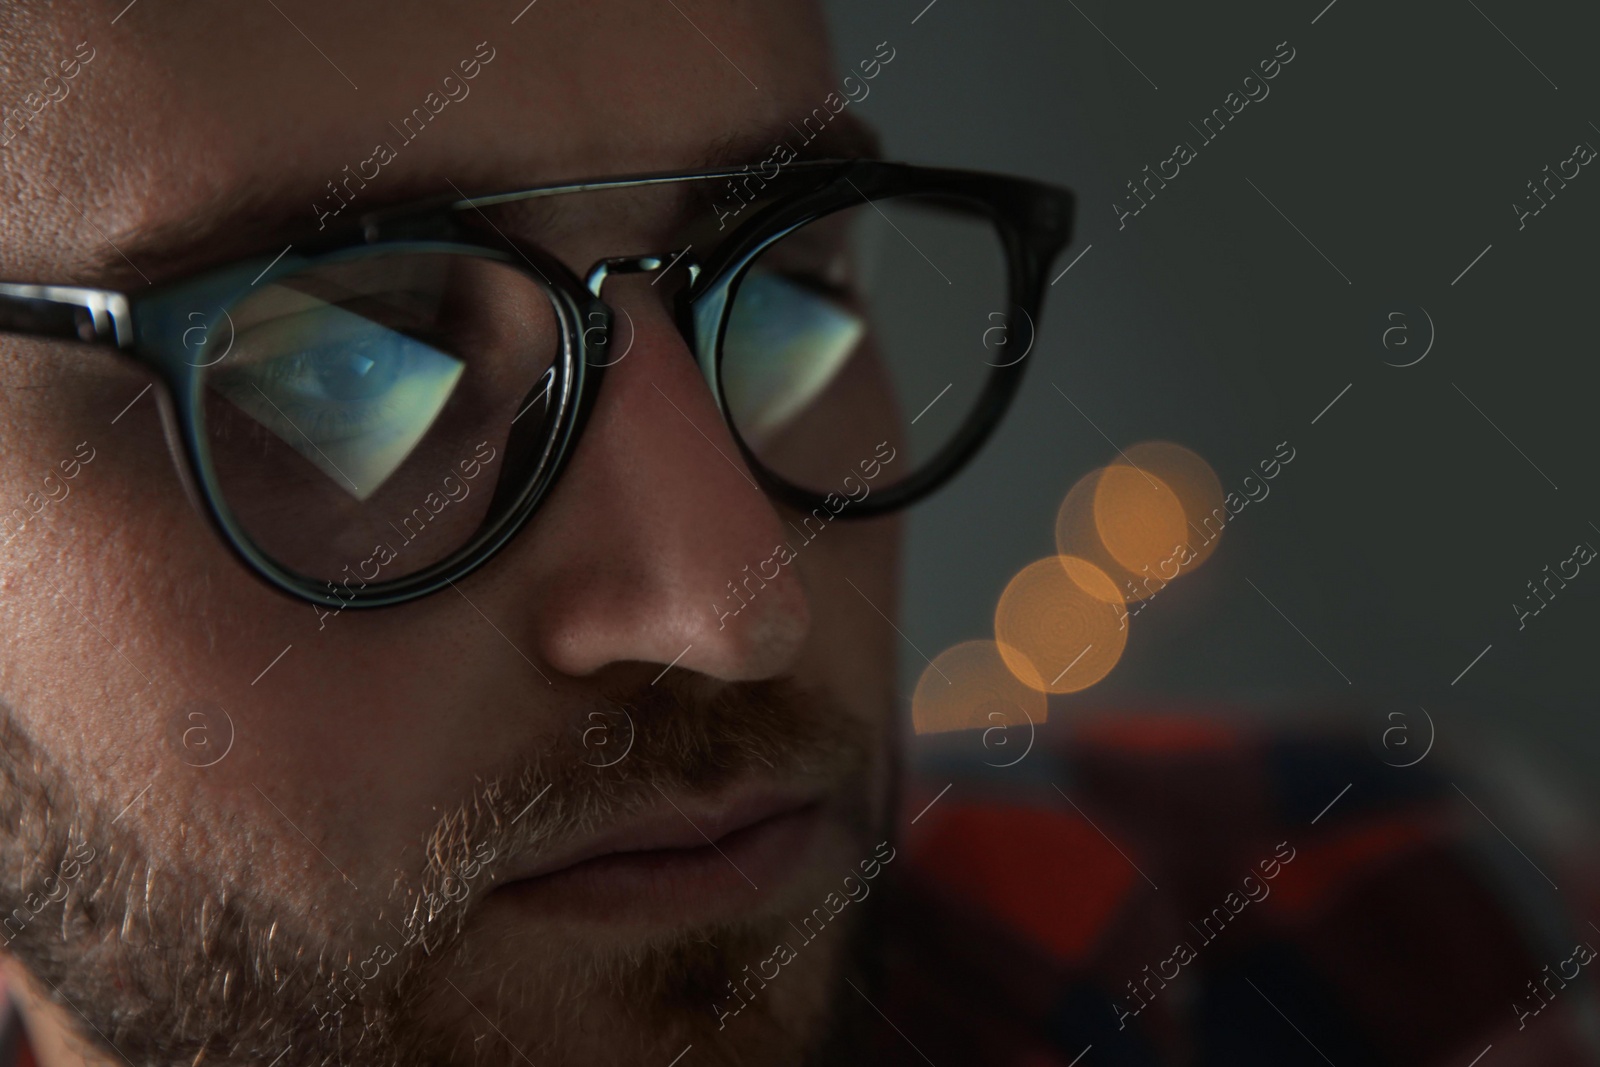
{"x": 742, "y": 871}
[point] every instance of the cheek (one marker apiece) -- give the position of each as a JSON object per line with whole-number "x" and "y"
{"x": 124, "y": 611}
{"x": 852, "y": 652}
{"x": 69, "y": 580}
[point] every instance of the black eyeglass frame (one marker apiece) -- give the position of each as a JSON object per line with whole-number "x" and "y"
{"x": 1033, "y": 219}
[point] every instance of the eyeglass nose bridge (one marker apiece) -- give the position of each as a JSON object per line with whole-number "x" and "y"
{"x": 595, "y": 279}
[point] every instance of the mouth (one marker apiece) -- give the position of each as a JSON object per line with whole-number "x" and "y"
{"x": 683, "y": 859}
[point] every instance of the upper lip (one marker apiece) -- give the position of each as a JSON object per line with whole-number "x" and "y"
{"x": 675, "y": 823}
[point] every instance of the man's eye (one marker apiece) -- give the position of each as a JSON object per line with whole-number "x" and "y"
{"x": 787, "y": 338}
{"x": 349, "y": 394}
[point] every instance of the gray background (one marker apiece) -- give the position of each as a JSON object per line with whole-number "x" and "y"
{"x": 1408, "y": 524}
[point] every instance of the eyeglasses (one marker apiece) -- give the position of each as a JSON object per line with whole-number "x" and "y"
{"x": 372, "y": 416}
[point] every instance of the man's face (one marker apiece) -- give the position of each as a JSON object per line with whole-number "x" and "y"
{"x": 382, "y": 835}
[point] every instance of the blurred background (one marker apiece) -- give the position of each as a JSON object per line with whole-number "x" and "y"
{"x": 1246, "y": 305}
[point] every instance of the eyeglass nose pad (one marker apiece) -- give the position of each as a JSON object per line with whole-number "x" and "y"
{"x": 529, "y": 428}
{"x": 182, "y": 459}
{"x": 690, "y": 264}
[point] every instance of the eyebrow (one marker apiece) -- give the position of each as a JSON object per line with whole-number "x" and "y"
{"x": 839, "y": 136}
{"x": 256, "y": 216}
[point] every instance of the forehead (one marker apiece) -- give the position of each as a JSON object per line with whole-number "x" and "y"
{"x": 187, "y": 105}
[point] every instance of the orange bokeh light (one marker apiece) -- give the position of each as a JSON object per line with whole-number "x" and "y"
{"x": 1194, "y": 483}
{"x": 1141, "y": 519}
{"x": 970, "y": 686}
{"x": 1123, "y": 521}
{"x": 1123, "y": 532}
{"x": 1060, "y": 625}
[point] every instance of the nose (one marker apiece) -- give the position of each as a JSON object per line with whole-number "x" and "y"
{"x": 658, "y": 546}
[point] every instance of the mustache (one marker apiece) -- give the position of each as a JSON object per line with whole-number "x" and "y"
{"x": 167, "y": 959}
{"x": 690, "y": 734}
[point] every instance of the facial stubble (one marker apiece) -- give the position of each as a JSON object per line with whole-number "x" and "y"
{"x": 171, "y": 963}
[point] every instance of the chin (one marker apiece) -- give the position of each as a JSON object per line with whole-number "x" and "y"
{"x": 562, "y": 996}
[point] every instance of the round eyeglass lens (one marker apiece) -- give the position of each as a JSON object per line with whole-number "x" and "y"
{"x": 857, "y": 346}
{"x": 374, "y": 414}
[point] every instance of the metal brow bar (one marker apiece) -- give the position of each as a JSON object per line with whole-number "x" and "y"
{"x": 632, "y": 181}
{"x": 98, "y": 316}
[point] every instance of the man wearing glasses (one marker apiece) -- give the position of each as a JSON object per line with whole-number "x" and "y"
{"x": 448, "y": 554}
{"x": 505, "y": 675}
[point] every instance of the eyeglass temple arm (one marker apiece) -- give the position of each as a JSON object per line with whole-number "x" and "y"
{"x": 97, "y": 316}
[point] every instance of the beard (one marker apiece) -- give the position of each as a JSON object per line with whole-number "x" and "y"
{"x": 168, "y": 961}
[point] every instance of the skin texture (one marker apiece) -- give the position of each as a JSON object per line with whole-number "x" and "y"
{"x": 384, "y": 747}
